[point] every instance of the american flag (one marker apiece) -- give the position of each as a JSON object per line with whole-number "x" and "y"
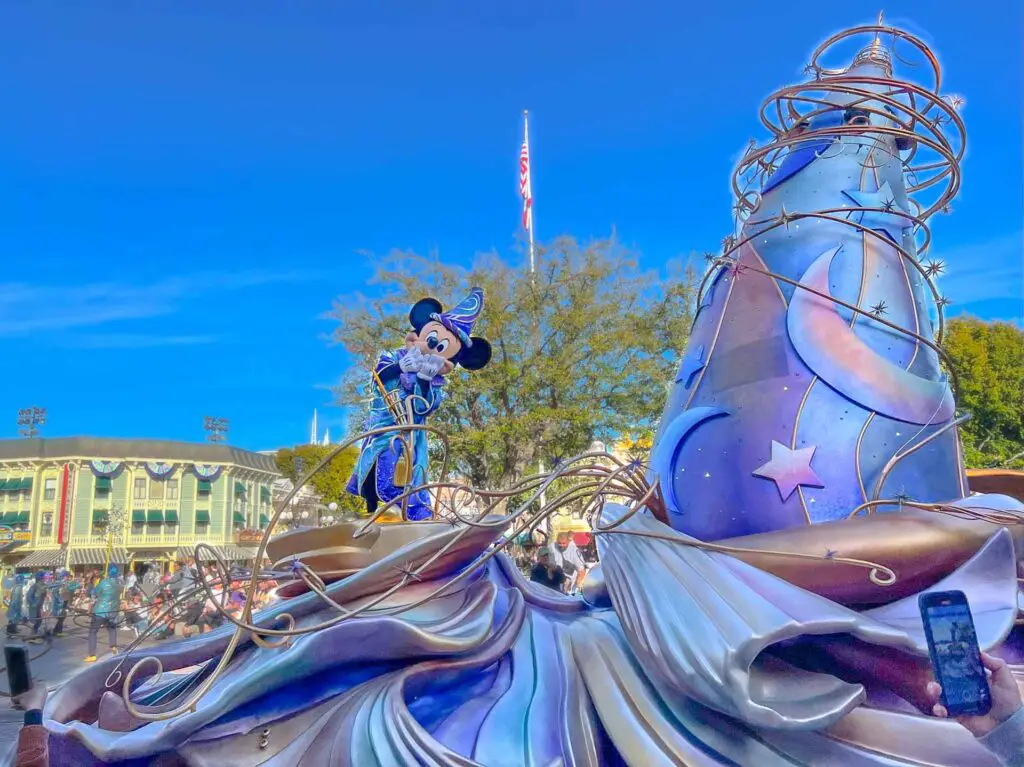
{"x": 524, "y": 179}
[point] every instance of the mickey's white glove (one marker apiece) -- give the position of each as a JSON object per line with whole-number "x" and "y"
{"x": 411, "y": 361}
{"x": 431, "y": 366}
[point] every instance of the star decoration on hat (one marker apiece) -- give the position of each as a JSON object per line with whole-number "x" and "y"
{"x": 879, "y": 309}
{"x": 737, "y": 269}
{"x": 407, "y": 572}
{"x": 942, "y": 301}
{"x": 883, "y": 211}
{"x": 784, "y": 217}
{"x": 710, "y": 257}
{"x": 933, "y": 268}
{"x": 693, "y": 363}
{"x": 789, "y": 469}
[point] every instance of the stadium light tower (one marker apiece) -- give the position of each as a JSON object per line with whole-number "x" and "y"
{"x": 30, "y": 419}
{"x": 217, "y": 428}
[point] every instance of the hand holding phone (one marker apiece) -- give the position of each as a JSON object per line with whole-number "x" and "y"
{"x": 1006, "y": 699}
{"x": 956, "y": 657}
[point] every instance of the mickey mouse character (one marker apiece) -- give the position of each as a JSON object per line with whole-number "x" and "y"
{"x": 439, "y": 341}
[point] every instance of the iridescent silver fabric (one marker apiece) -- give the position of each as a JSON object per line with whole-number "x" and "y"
{"x": 504, "y": 672}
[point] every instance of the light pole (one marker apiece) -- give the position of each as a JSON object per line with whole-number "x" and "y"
{"x": 217, "y": 428}
{"x": 30, "y": 419}
{"x": 115, "y": 524}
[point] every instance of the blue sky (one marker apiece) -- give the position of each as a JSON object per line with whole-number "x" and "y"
{"x": 185, "y": 187}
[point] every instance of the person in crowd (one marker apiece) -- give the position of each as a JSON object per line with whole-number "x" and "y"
{"x": 62, "y": 593}
{"x": 105, "y": 609}
{"x": 546, "y": 572}
{"x": 1001, "y": 730}
{"x": 184, "y": 579}
{"x": 35, "y": 602}
{"x": 565, "y": 554}
{"x": 130, "y": 581}
{"x": 16, "y": 605}
{"x": 33, "y": 740}
{"x": 134, "y": 614}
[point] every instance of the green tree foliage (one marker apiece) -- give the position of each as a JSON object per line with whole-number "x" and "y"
{"x": 582, "y": 350}
{"x": 329, "y": 483}
{"x": 989, "y": 360}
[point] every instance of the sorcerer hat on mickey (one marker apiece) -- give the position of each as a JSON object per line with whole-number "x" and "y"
{"x": 459, "y": 320}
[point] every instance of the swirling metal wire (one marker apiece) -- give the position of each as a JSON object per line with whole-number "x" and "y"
{"x": 592, "y": 478}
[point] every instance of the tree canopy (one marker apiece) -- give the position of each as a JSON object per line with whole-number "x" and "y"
{"x": 582, "y": 350}
{"x": 329, "y": 484}
{"x": 989, "y": 360}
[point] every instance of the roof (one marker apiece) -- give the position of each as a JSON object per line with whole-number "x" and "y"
{"x": 122, "y": 449}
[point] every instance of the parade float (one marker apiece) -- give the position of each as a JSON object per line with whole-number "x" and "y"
{"x": 755, "y": 602}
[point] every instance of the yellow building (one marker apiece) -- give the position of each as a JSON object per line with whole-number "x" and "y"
{"x": 77, "y": 499}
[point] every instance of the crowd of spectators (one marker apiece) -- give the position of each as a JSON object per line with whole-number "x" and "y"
{"x": 42, "y": 603}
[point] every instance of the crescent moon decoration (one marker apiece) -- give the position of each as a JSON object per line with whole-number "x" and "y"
{"x": 664, "y": 454}
{"x": 830, "y": 348}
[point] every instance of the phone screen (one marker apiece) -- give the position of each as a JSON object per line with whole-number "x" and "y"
{"x": 956, "y": 656}
{"x": 18, "y": 677}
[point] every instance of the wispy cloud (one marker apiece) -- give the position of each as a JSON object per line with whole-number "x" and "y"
{"x": 27, "y": 308}
{"x": 991, "y": 270}
{"x": 136, "y": 341}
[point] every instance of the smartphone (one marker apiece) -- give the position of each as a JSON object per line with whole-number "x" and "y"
{"x": 19, "y": 678}
{"x": 956, "y": 657}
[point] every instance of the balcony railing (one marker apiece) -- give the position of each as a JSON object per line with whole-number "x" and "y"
{"x": 89, "y": 540}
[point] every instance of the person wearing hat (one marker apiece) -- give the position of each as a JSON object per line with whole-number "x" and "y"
{"x": 15, "y": 605}
{"x": 34, "y": 601}
{"x": 439, "y": 342}
{"x": 105, "y": 610}
{"x": 62, "y": 591}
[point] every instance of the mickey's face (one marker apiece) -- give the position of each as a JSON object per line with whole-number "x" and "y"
{"x": 435, "y": 338}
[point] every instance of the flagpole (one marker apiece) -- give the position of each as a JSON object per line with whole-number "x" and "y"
{"x": 527, "y": 188}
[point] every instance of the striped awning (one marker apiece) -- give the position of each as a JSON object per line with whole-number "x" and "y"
{"x": 234, "y": 553}
{"x": 229, "y": 553}
{"x": 98, "y": 556}
{"x": 44, "y": 558}
{"x": 190, "y": 552}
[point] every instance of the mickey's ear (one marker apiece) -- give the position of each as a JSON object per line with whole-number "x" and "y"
{"x": 420, "y": 313}
{"x": 476, "y": 356}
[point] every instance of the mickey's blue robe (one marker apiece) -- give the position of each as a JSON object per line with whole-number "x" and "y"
{"x": 383, "y": 450}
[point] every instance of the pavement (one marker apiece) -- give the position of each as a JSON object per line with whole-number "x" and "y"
{"x": 53, "y": 662}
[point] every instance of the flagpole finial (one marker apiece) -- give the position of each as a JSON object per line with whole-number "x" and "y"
{"x": 526, "y": 112}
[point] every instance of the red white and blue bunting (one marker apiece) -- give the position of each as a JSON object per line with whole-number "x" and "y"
{"x": 207, "y": 471}
{"x": 105, "y": 468}
{"x": 159, "y": 469}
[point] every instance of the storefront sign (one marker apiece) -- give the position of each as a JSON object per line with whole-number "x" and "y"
{"x": 6, "y": 536}
{"x": 246, "y": 537}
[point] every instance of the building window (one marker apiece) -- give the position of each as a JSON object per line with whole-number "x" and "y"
{"x": 138, "y": 528}
{"x": 50, "y": 489}
{"x": 139, "y": 491}
{"x": 202, "y": 528}
{"x": 156, "y": 490}
{"x": 46, "y": 525}
{"x": 172, "y": 490}
{"x": 99, "y": 528}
